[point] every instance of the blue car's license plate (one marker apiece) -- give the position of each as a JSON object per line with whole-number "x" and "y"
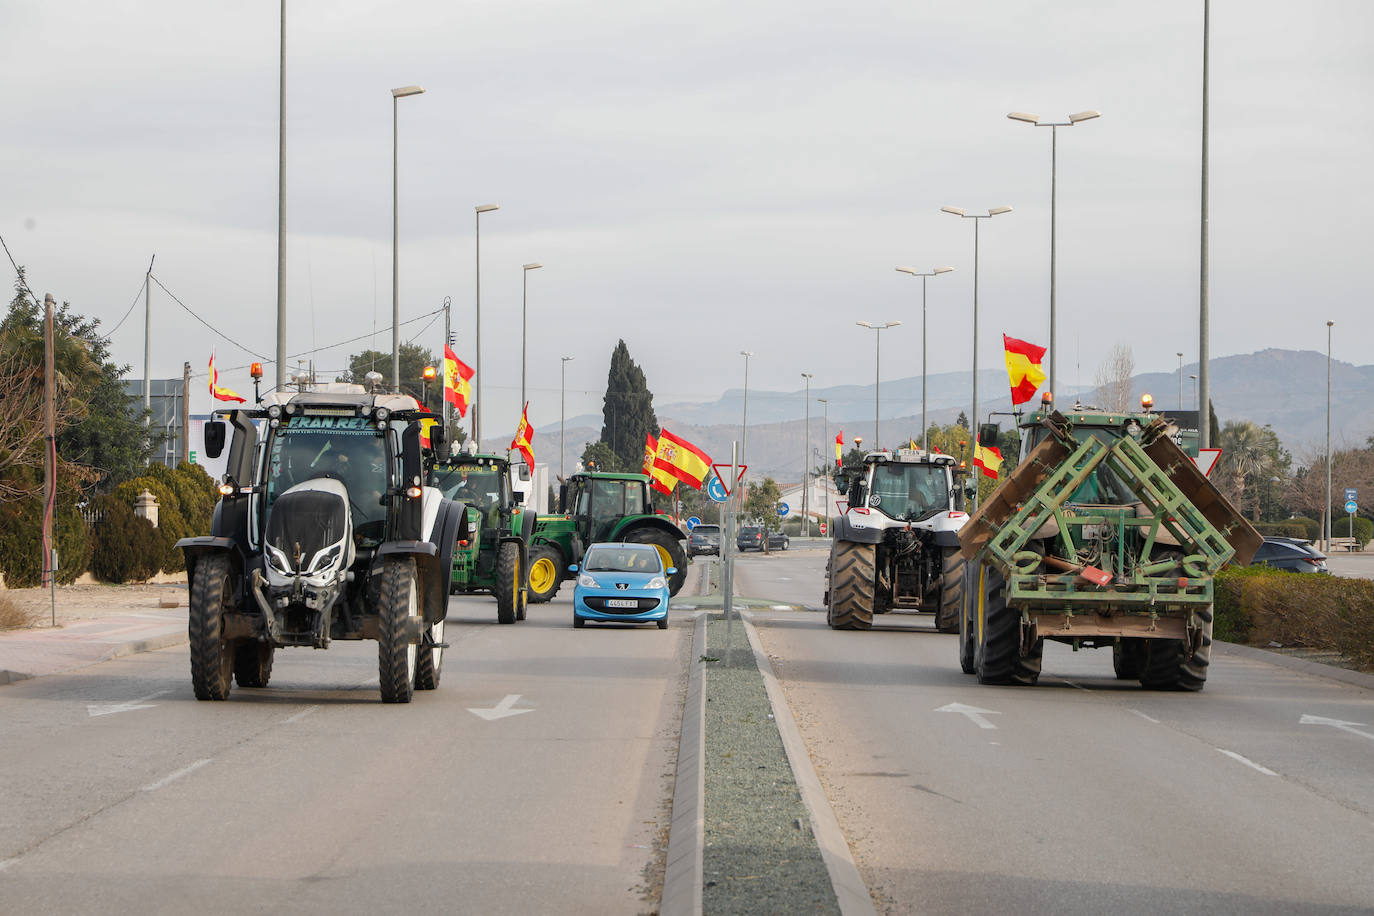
{"x": 621, "y": 602}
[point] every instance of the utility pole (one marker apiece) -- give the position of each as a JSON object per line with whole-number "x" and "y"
{"x": 281, "y": 210}
{"x": 186, "y": 411}
{"x": 50, "y": 454}
{"x": 448, "y": 342}
{"x": 147, "y": 342}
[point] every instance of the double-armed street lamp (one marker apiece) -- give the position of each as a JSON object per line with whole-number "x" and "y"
{"x": 524, "y": 291}
{"x": 925, "y": 435}
{"x": 477, "y": 401}
{"x": 877, "y": 366}
{"x": 562, "y": 411}
{"x": 744, "y": 426}
{"x": 976, "y": 217}
{"x": 1054, "y": 156}
{"x": 396, "y": 96}
{"x": 806, "y": 458}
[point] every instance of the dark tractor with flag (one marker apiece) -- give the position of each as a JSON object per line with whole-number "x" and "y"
{"x": 325, "y": 530}
{"x": 896, "y": 546}
{"x": 596, "y": 508}
{"x": 495, "y": 555}
{"x": 1105, "y": 535}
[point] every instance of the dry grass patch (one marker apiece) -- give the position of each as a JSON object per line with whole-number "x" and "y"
{"x": 12, "y": 616}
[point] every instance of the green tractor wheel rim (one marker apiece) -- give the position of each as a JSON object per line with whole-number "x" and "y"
{"x": 542, "y": 574}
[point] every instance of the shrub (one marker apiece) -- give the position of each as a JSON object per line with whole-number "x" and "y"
{"x": 127, "y": 548}
{"x": 1288, "y": 528}
{"x": 1311, "y": 528}
{"x": 1259, "y": 605}
{"x": 21, "y": 541}
{"x": 1364, "y": 528}
{"x": 12, "y": 615}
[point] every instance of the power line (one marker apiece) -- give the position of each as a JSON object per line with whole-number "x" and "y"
{"x": 130, "y": 309}
{"x": 206, "y": 323}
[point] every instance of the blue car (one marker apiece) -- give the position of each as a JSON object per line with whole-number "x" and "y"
{"x": 624, "y": 583}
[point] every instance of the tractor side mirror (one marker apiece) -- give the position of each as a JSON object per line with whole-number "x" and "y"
{"x": 214, "y": 438}
{"x": 563, "y": 497}
{"x": 988, "y": 434}
{"x": 518, "y": 496}
{"x": 970, "y": 491}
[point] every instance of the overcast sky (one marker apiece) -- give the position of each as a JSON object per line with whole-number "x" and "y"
{"x": 696, "y": 178}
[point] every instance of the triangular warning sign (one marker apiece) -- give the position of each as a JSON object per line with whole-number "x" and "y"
{"x": 724, "y": 479}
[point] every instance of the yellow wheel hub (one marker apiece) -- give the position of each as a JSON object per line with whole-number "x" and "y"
{"x": 543, "y": 574}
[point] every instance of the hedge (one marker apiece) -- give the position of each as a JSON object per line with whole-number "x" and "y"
{"x": 21, "y": 541}
{"x": 126, "y": 547}
{"x": 1258, "y": 606}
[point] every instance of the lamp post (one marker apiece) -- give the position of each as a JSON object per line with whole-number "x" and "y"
{"x": 925, "y": 433}
{"x": 281, "y": 211}
{"x": 976, "y": 217}
{"x": 1199, "y": 413}
{"x": 1326, "y": 512}
{"x": 825, "y": 461}
{"x": 877, "y": 367}
{"x": 477, "y": 401}
{"x": 396, "y": 96}
{"x": 1054, "y": 157}
{"x": 524, "y": 288}
{"x": 1204, "y": 324}
{"x": 1180, "y": 381}
{"x": 562, "y": 411}
{"x": 806, "y": 459}
{"x": 744, "y": 426}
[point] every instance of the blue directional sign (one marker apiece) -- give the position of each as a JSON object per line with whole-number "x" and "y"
{"x": 693, "y": 522}
{"x": 783, "y": 509}
{"x": 1351, "y": 506}
{"x": 716, "y": 490}
{"x": 1351, "y": 494}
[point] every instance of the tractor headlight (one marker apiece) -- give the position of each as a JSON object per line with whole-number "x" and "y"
{"x": 326, "y": 558}
{"x": 657, "y": 582}
{"x": 587, "y": 581}
{"x": 382, "y": 414}
{"x": 278, "y": 561}
{"x": 274, "y": 411}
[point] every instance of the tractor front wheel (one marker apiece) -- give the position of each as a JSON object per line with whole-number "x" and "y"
{"x": 507, "y": 585}
{"x": 429, "y": 660}
{"x": 951, "y": 591}
{"x": 253, "y": 663}
{"x": 546, "y": 573}
{"x": 212, "y": 656}
{"x": 853, "y": 580}
{"x": 397, "y": 656}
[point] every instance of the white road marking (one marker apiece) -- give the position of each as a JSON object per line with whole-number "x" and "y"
{"x": 106, "y": 709}
{"x": 1248, "y": 762}
{"x": 975, "y": 715}
{"x": 173, "y": 777}
{"x": 1336, "y": 723}
{"x": 500, "y": 710}
{"x": 1143, "y": 716}
{"x": 300, "y": 715}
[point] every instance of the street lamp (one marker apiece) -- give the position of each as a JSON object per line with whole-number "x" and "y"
{"x": 1054, "y": 157}
{"x": 1180, "y": 381}
{"x": 1195, "y": 404}
{"x": 1326, "y": 513}
{"x": 825, "y": 460}
{"x": 396, "y": 96}
{"x": 281, "y": 214}
{"x": 744, "y": 428}
{"x": 806, "y": 458}
{"x": 524, "y": 285}
{"x": 925, "y": 434}
{"x": 976, "y": 217}
{"x": 562, "y": 411}
{"x": 877, "y": 366}
{"x": 477, "y": 402}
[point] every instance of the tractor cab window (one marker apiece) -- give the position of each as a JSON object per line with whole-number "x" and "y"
{"x": 348, "y": 450}
{"x": 615, "y": 498}
{"x": 909, "y": 491}
{"x": 476, "y": 485}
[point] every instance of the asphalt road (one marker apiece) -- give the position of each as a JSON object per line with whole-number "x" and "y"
{"x": 121, "y": 793}
{"x": 1081, "y": 795}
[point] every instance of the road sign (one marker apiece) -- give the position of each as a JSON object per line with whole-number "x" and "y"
{"x": 1351, "y": 494}
{"x": 693, "y": 522}
{"x": 729, "y": 485}
{"x": 783, "y": 509}
{"x": 822, "y": 529}
{"x": 1206, "y": 460}
{"x": 193, "y": 456}
{"x": 1351, "y": 506}
{"x": 716, "y": 490}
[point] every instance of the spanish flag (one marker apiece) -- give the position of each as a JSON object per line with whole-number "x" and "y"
{"x": 1023, "y": 369}
{"x": 523, "y": 434}
{"x": 661, "y": 481}
{"x": 222, "y": 394}
{"x": 425, "y": 427}
{"x": 839, "y": 448}
{"x": 457, "y": 374}
{"x": 681, "y": 459}
{"x": 988, "y": 459}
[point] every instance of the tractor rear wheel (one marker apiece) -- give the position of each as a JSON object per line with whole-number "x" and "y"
{"x": 253, "y": 663}
{"x": 506, "y": 588}
{"x": 1128, "y": 653}
{"x": 968, "y": 618}
{"x": 546, "y": 573}
{"x": 1166, "y": 664}
{"x": 951, "y": 591}
{"x": 429, "y": 659}
{"x": 212, "y": 656}
{"x": 997, "y": 658}
{"x": 397, "y": 656}
{"x": 669, "y": 551}
{"x": 852, "y": 581}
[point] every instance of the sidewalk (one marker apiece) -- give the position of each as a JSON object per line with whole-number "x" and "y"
{"x": 94, "y": 623}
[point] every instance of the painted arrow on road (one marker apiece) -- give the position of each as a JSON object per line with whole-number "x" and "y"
{"x": 1336, "y": 723}
{"x": 109, "y": 709}
{"x": 975, "y": 715}
{"x": 500, "y": 710}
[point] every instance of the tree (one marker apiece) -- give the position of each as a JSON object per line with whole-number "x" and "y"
{"x": 597, "y": 456}
{"x": 1113, "y": 379}
{"x": 1250, "y": 456}
{"x": 628, "y": 409}
{"x": 762, "y": 504}
{"x": 414, "y": 359}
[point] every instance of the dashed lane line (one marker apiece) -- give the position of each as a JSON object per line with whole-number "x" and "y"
{"x": 173, "y": 777}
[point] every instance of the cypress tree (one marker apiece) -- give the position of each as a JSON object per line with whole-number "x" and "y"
{"x": 628, "y": 409}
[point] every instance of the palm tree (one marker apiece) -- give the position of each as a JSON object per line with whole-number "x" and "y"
{"x": 1248, "y": 454}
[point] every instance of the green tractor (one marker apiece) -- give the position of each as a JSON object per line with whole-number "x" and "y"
{"x": 596, "y": 508}
{"x": 494, "y": 557}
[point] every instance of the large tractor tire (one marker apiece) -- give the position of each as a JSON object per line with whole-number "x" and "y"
{"x": 852, "y": 581}
{"x": 951, "y": 591}
{"x": 212, "y": 656}
{"x": 1128, "y": 656}
{"x": 546, "y": 572}
{"x": 670, "y": 550}
{"x": 997, "y": 658}
{"x": 968, "y": 619}
{"x": 1166, "y": 664}
{"x": 253, "y": 663}
{"x": 397, "y": 656}
{"x": 429, "y": 658}
{"x": 506, "y": 588}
